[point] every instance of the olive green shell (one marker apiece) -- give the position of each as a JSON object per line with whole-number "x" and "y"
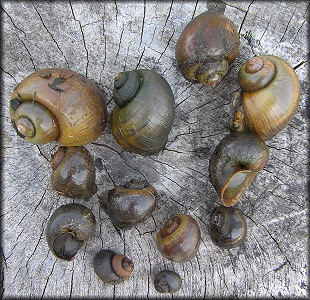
{"x": 234, "y": 164}
{"x": 142, "y": 122}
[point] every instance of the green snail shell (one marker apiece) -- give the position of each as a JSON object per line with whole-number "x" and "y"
{"x": 144, "y": 114}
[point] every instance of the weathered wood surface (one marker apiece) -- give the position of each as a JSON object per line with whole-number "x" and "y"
{"x": 99, "y": 39}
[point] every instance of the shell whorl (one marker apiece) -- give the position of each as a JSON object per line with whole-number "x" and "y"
{"x": 270, "y": 108}
{"x": 256, "y": 73}
{"x": 126, "y": 86}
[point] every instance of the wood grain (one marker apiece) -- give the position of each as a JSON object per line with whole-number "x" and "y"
{"x": 99, "y": 39}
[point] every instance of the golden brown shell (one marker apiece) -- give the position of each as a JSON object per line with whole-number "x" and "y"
{"x": 73, "y": 100}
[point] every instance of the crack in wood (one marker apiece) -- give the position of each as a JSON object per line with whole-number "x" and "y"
{"x": 51, "y": 35}
{"x": 83, "y": 37}
{"x": 246, "y": 13}
{"x": 28, "y": 52}
{"x": 287, "y": 25}
{"x": 47, "y": 280}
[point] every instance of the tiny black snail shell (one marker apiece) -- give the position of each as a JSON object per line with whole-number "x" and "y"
{"x": 58, "y": 104}
{"x": 111, "y": 267}
{"x": 207, "y": 45}
{"x": 144, "y": 114}
{"x": 269, "y": 98}
{"x": 167, "y": 281}
{"x": 131, "y": 203}
{"x": 228, "y": 227}
{"x": 73, "y": 172}
{"x": 69, "y": 227}
{"x": 235, "y": 162}
{"x": 179, "y": 238}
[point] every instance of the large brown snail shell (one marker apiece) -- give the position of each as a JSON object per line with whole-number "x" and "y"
{"x": 73, "y": 172}
{"x": 269, "y": 98}
{"x": 143, "y": 117}
{"x": 235, "y": 162}
{"x": 58, "y": 104}
{"x": 206, "y": 47}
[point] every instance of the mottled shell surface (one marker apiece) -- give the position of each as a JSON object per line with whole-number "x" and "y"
{"x": 206, "y": 46}
{"x": 73, "y": 172}
{"x": 74, "y": 101}
{"x": 131, "y": 203}
{"x": 143, "y": 124}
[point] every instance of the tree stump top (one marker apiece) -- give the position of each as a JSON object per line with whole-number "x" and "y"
{"x": 100, "y": 39}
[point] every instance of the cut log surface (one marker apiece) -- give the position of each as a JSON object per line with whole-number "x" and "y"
{"x": 98, "y": 39}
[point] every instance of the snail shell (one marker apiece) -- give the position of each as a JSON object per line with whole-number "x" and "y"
{"x": 179, "y": 239}
{"x": 228, "y": 227}
{"x": 73, "y": 172}
{"x": 269, "y": 98}
{"x": 144, "y": 114}
{"x": 167, "y": 281}
{"x": 58, "y": 104}
{"x": 205, "y": 48}
{"x": 69, "y": 227}
{"x": 111, "y": 267}
{"x": 131, "y": 203}
{"x": 235, "y": 162}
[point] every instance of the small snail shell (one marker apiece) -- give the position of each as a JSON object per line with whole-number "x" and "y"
{"x": 228, "y": 227}
{"x": 207, "y": 45}
{"x": 179, "y": 239}
{"x": 73, "y": 172}
{"x": 111, "y": 267}
{"x": 58, "y": 104}
{"x": 144, "y": 114}
{"x": 131, "y": 203}
{"x": 69, "y": 227}
{"x": 269, "y": 98}
{"x": 167, "y": 281}
{"x": 234, "y": 164}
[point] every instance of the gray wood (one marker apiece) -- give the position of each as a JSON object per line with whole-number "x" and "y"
{"x": 99, "y": 39}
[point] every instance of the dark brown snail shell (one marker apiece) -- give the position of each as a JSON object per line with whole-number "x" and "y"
{"x": 167, "y": 281}
{"x": 144, "y": 114}
{"x": 132, "y": 203}
{"x": 73, "y": 172}
{"x": 111, "y": 267}
{"x": 58, "y": 104}
{"x": 228, "y": 227}
{"x": 235, "y": 162}
{"x": 69, "y": 227}
{"x": 179, "y": 239}
{"x": 206, "y": 46}
{"x": 269, "y": 98}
